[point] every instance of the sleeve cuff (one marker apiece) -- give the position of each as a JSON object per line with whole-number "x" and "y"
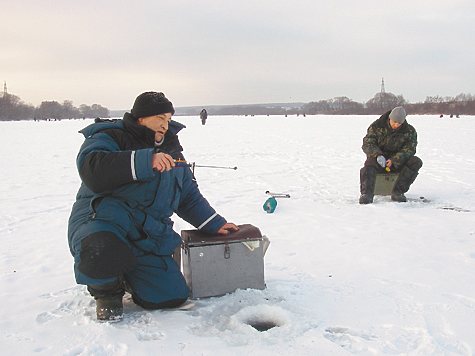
{"x": 212, "y": 224}
{"x": 141, "y": 163}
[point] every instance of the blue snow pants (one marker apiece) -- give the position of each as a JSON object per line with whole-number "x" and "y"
{"x": 153, "y": 280}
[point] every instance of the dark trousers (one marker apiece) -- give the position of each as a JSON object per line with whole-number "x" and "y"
{"x": 408, "y": 173}
{"x": 155, "y": 282}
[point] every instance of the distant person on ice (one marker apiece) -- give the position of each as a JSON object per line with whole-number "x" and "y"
{"x": 120, "y": 232}
{"x": 390, "y": 142}
{"x": 203, "y": 116}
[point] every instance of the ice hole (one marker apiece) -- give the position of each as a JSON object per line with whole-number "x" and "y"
{"x": 263, "y": 317}
{"x": 262, "y": 325}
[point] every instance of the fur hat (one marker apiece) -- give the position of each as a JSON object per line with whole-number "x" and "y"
{"x": 151, "y": 103}
{"x": 398, "y": 114}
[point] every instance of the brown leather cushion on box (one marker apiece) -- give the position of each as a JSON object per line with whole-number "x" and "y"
{"x": 196, "y": 238}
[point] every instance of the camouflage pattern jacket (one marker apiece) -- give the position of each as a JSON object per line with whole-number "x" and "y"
{"x": 397, "y": 145}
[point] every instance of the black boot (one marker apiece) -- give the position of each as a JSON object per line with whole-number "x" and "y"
{"x": 406, "y": 177}
{"x": 111, "y": 310}
{"x": 108, "y": 300}
{"x": 367, "y": 182}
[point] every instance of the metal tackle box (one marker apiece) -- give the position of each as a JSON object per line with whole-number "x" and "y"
{"x": 214, "y": 265}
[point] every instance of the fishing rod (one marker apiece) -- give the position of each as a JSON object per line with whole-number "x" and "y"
{"x": 182, "y": 163}
{"x": 271, "y": 203}
{"x": 278, "y": 195}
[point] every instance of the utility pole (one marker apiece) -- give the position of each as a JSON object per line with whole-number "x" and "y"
{"x": 382, "y": 95}
{"x": 4, "y": 88}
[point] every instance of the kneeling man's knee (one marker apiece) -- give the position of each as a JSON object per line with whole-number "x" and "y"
{"x": 104, "y": 255}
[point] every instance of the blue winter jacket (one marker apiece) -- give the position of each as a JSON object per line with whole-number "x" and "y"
{"x": 120, "y": 192}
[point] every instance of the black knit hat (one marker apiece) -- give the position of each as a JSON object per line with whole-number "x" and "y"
{"x": 151, "y": 103}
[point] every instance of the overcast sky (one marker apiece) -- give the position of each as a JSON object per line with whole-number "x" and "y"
{"x": 235, "y": 52}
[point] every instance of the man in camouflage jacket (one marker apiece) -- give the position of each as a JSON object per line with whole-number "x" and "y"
{"x": 390, "y": 143}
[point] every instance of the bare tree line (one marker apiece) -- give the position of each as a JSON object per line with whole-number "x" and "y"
{"x": 12, "y": 108}
{"x": 462, "y": 104}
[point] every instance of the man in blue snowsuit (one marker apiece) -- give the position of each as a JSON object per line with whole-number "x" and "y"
{"x": 120, "y": 232}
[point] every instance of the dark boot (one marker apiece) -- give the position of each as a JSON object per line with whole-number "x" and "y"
{"x": 367, "y": 182}
{"x": 111, "y": 310}
{"x": 406, "y": 177}
{"x": 108, "y": 300}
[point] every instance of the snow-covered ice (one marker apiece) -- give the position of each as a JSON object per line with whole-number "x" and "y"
{"x": 383, "y": 279}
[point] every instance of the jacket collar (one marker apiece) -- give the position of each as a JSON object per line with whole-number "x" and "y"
{"x": 147, "y": 135}
{"x": 140, "y": 132}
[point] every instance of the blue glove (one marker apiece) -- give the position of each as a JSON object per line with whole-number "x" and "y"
{"x": 381, "y": 161}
